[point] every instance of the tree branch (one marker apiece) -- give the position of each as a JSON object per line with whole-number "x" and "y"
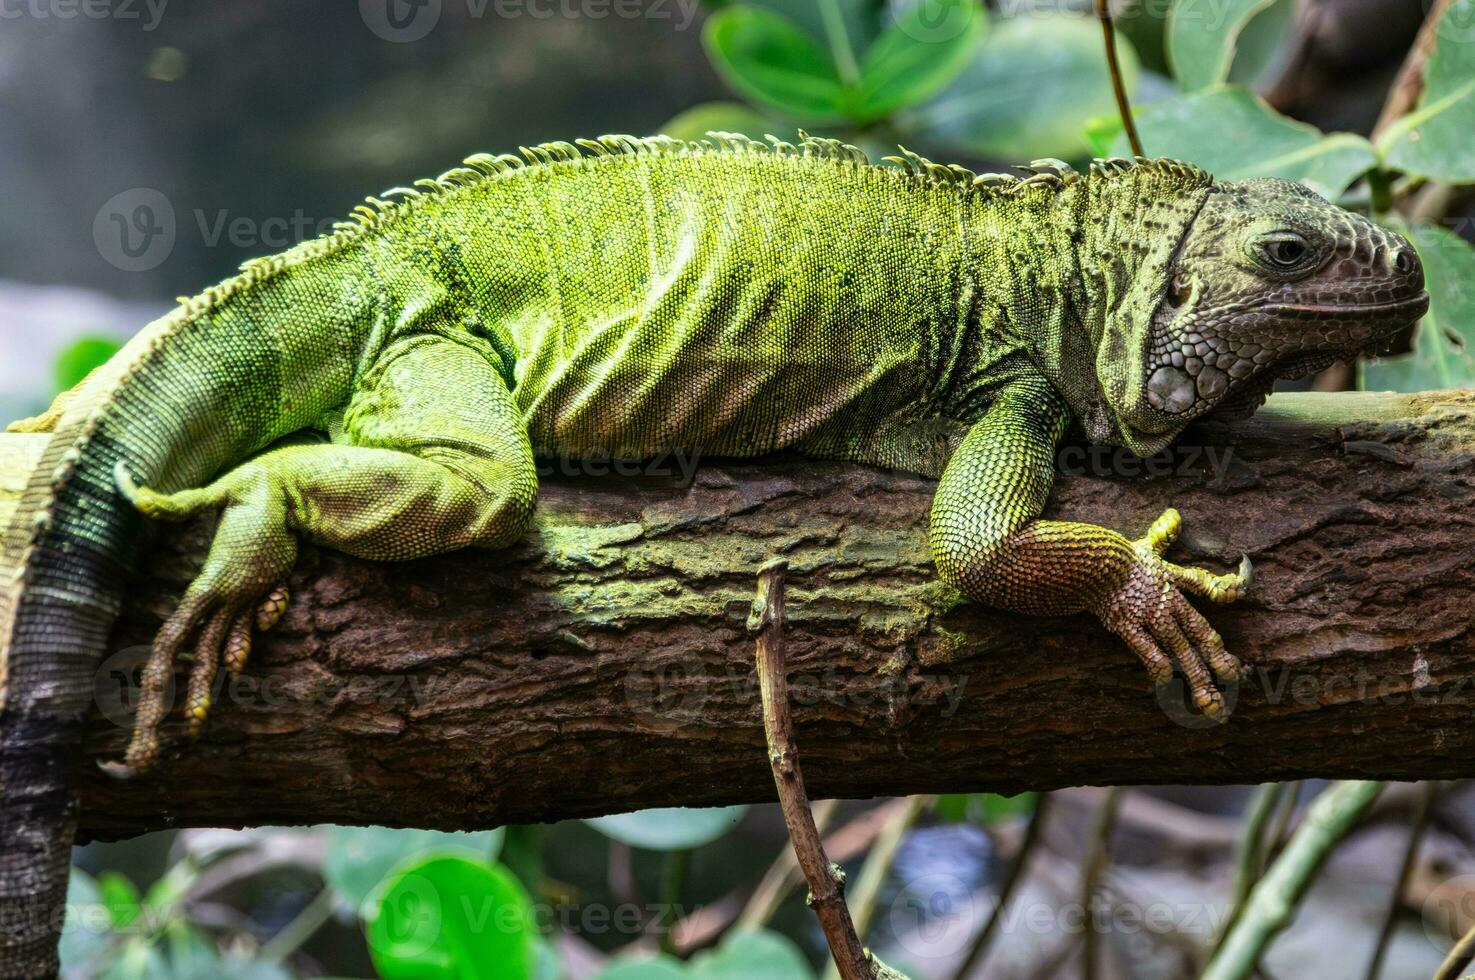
{"x": 826, "y": 880}
{"x": 603, "y": 664}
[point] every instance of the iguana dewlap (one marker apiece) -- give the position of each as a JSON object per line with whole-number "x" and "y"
{"x": 627, "y": 297}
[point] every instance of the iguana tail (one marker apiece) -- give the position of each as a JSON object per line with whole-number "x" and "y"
{"x": 196, "y": 391}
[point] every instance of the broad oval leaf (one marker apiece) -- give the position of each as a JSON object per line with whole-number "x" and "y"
{"x": 1444, "y": 341}
{"x": 1437, "y": 139}
{"x": 724, "y": 117}
{"x": 359, "y": 857}
{"x": 449, "y": 917}
{"x": 846, "y": 27}
{"x": 917, "y": 55}
{"x": 1201, "y": 38}
{"x": 1264, "y": 46}
{"x": 80, "y": 357}
{"x": 1028, "y": 91}
{"x": 751, "y": 955}
{"x": 985, "y": 809}
{"x": 768, "y": 59}
{"x": 659, "y": 967}
{"x": 120, "y": 897}
{"x": 1232, "y": 133}
{"x": 669, "y": 828}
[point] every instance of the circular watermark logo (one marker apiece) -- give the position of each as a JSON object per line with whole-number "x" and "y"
{"x": 672, "y": 692}
{"x": 406, "y": 916}
{"x": 934, "y": 915}
{"x": 400, "y": 21}
{"x": 1449, "y": 910}
{"x": 1457, "y": 23}
{"x": 932, "y": 21}
{"x": 115, "y": 686}
{"x": 1177, "y": 703}
{"x": 134, "y": 230}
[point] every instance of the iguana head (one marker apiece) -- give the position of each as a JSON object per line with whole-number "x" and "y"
{"x": 1269, "y": 281}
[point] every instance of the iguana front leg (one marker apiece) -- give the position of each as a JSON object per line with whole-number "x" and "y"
{"x": 989, "y": 542}
{"x": 438, "y": 459}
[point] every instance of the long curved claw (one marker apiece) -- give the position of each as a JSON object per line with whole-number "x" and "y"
{"x": 1220, "y": 589}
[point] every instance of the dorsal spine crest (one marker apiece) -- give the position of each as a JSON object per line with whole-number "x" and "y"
{"x": 1046, "y": 174}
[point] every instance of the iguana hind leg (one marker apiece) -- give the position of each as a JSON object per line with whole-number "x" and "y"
{"x": 988, "y": 541}
{"x": 437, "y": 459}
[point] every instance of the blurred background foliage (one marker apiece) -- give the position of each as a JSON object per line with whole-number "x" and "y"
{"x": 260, "y": 121}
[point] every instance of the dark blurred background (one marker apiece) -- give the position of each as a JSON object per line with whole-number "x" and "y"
{"x": 148, "y": 150}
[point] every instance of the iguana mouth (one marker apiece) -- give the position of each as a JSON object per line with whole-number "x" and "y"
{"x": 1405, "y": 310}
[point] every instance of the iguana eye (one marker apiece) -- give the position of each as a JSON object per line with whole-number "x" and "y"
{"x": 1285, "y": 251}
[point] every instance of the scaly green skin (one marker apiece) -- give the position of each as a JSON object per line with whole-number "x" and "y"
{"x": 638, "y": 296}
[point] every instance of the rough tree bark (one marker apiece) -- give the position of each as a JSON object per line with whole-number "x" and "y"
{"x": 603, "y": 663}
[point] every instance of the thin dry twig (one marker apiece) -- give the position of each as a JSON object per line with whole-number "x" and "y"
{"x": 825, "y": 880}
{"x": 1281, "y": 833}
{"x": 1012, "y": 878}
{"x": 1118, "y": 87}
{"x": 1278, "y": 894}
{"x": 878, "y": 862}
{"x": 1093, "y": 867}
{"x": 1459, "y": 957}
{"x": 752, "y": 910}
{"x": 781, "y": 875}
{"x": 1250, "y": 856}
{"x": 1395, "y": 900}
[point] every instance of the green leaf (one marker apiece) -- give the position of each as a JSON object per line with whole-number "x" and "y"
{"x": 1444, "y": 341}
{"x": 120, "y": 897}
{"x": 1437, "y": 139}
{"x": 660, "y": 967}
{"x": 164, "y": 901}
{"x": 78, "y": 358}
{"x": 1144, "y": 23}
{"x": 845, "y": 27}
{"x": 669, "y": 829}
{"x": 721, "y": 117}
{"x": 917, "y": 55}
{"x": 1201, "y": 38}
{"x": 1234, "y": 134}
{"x": 86, "y": 931}
{"x": 766, "y": 58}
{"x": 191, "y": 954}
{"x": 1264, "y": 46}
{"x": 359, "y": 857}
{"x": 1102, "y": 132}
{"x": 138, "y": 960}
{"x": 448, "y": 917}
{"x": 1028, "y": 91}
{"x": 751, "y": 955}
{"x": 985, "y": 809}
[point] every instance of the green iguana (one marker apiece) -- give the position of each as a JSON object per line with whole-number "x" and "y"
{"x": 630, "y": 297}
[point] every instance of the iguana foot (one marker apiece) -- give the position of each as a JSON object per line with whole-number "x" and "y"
{"x": 1148, "y": 610}
{"x": 239, "y": 588}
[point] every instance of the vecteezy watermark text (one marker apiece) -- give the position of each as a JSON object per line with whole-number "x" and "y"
{"x": 403, "y": 21}
{"x": 1180, "y": 459}
{"x": 148, "y": 12}
{"x": 677, "y": 465}
{"x": 136, "y": 230}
